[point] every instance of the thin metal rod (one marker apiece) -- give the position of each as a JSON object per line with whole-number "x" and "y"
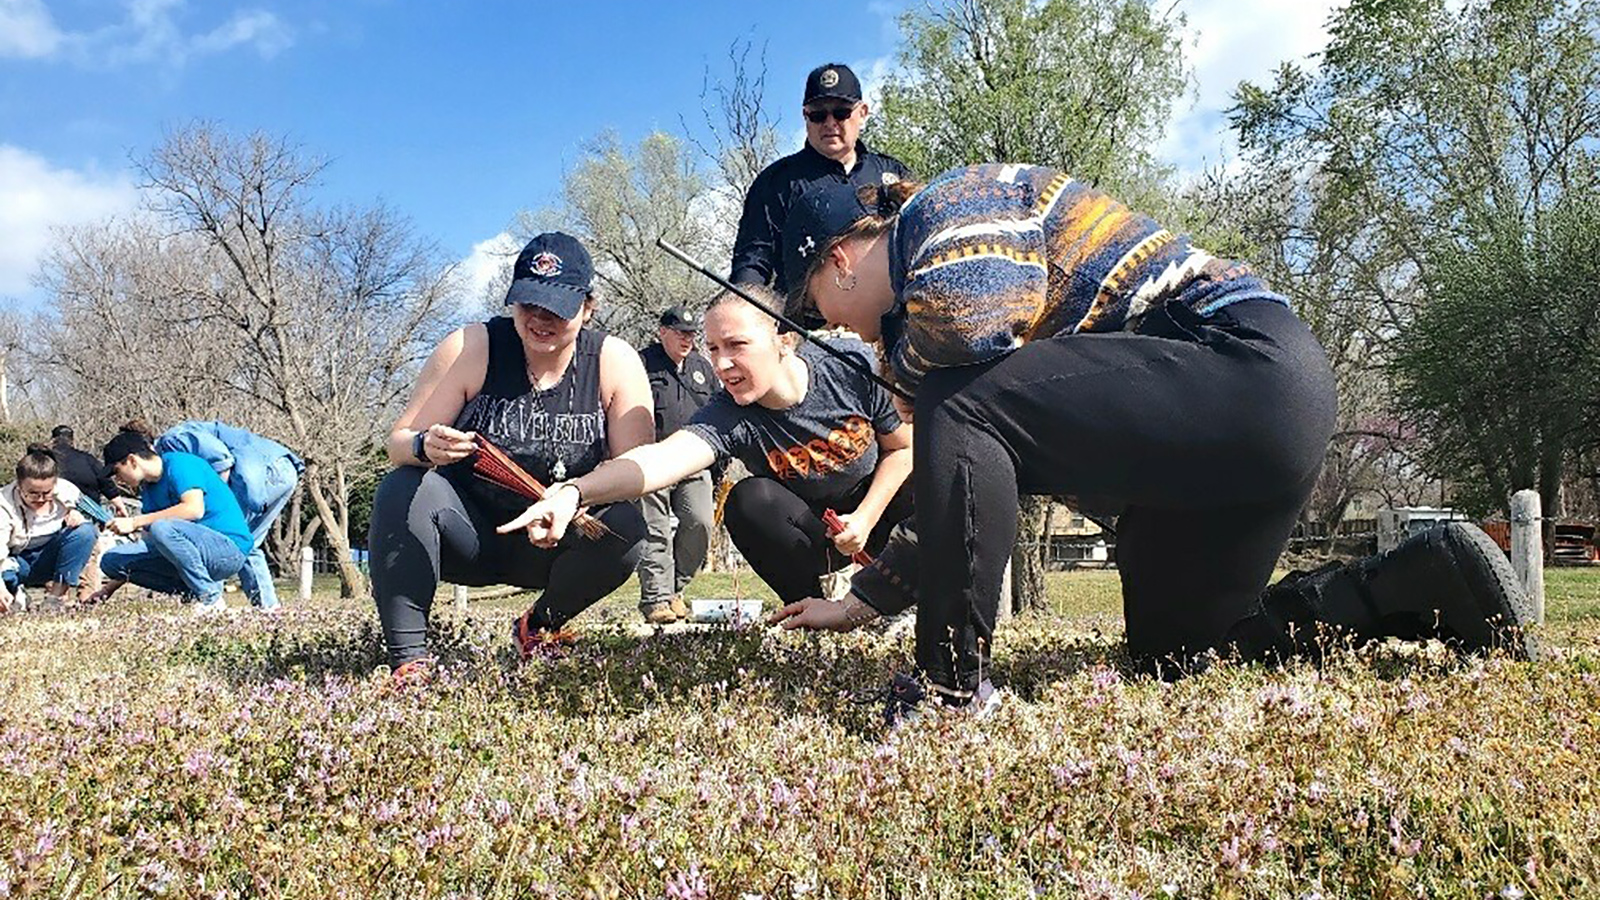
{"x": 853, "y": 362}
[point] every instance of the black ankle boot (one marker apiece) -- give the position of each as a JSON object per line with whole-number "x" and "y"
{"x": 1450, "y": 582}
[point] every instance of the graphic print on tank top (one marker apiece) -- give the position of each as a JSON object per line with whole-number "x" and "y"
{"x": 560, "y": 430}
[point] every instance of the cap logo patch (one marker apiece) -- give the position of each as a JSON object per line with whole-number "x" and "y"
{"x": 829, "y": 78}
{"x": 546, "y": 265}
{"x": 807, "y": 247}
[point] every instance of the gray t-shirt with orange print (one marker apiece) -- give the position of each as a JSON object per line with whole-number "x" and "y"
{"x": 823, "y": 448}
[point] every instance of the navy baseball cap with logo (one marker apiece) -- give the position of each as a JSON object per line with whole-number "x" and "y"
{"x": 554, "y": 272}
{"x": 832, "y": 81}
{"x": 680, "y": 319}
{"x": 823, "y": 211}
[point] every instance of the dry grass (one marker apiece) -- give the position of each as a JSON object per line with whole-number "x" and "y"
{"x": 143, "y": 753}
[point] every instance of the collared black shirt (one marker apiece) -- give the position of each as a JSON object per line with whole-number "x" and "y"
{"x": 678, "y": 395}
{"x": 84, "y": 471}
{"x": 755, "y": 251}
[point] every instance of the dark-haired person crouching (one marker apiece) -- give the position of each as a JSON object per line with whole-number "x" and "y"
{"x": 195, "y": 533}
{"x": 43, "y": 539}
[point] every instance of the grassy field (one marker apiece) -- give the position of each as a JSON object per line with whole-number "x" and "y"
{"x": 147, "y": 753}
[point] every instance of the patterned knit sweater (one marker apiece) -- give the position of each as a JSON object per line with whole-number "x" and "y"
{"x": 989, "y": 257}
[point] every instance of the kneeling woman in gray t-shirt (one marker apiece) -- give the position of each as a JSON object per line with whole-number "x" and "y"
{"x": 816, "y": 434}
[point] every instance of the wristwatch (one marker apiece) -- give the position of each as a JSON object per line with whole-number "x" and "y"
{"x": 417, "y": 448}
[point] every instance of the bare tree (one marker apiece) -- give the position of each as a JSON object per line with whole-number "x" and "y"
{"x": 742, "y": 135}
{"x": 10, "y": 343}
{"x": 236, "y": 297}
{"x": 618, "y": 201}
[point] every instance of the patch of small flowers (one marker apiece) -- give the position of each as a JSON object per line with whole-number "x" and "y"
{"x": 151, "y": 754}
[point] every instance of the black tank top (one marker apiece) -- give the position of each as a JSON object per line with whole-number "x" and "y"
{"x": 564, "y": 422}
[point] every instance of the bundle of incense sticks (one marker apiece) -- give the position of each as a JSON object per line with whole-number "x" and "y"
{"x": 493, "y": 465}
{"x": 835, "y": 525}
{"x": 96, "y": 512}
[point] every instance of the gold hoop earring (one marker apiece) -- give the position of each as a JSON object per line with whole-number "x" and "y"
{"x": 841, "y": 285}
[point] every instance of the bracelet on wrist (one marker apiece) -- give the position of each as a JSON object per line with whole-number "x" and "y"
{"x": 569, "y": 484}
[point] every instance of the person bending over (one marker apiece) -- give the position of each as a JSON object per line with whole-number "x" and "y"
{"x": 1057, "y": 342}
{"x": 195, "y": 537}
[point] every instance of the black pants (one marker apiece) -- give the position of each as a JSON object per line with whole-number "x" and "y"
{"x": 423, "y": 530}
{"x": 784, "y": 539}
{"x": 1207, "y": 434}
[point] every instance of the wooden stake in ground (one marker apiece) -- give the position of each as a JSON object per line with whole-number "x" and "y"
{"x": 1527, "y": 547}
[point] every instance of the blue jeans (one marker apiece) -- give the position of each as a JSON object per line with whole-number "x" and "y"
{"x": 60, "y": 559}
{"x": 177, "y": 557}
{"x": 255, "y": 578}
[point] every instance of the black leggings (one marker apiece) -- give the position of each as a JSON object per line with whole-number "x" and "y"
{"x": 785, "y": 541}
{"x": 1207, "y": 434}
{"x": 423, "y": 530}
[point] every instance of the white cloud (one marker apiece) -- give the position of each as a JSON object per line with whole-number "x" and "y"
{"x": 488, "y": 266}
{"x": 255, "y": 28}
{"x": 150, "y": 32}
{"x": 1229, "y": 41}
{"x": 26, "y": 30}
{"x": 36, "y": 197}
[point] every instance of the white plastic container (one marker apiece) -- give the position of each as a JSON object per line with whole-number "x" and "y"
{"x": 719, "y": 609}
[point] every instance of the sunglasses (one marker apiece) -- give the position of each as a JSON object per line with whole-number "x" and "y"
{"x": 839, "y": 114}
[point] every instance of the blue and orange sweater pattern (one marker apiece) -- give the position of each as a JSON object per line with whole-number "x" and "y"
{"x": 989, "y": 257}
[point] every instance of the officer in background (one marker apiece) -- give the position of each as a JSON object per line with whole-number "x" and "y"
{"x": 834, "y": 153}
{"x": 681, "y": 381}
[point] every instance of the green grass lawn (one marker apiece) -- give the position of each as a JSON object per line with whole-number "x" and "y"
{"x": 148, "y": 753}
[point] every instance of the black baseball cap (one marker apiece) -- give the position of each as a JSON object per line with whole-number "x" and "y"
{"x": 832, "y": 80}
{"x": 124, "y": 445}
{"x": 680, "y": 319}
{"x": 554, "y": 272}
{"x": 821, "y": 213}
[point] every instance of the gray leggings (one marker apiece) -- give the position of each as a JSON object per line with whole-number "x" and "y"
{"x": 424, "y": 530}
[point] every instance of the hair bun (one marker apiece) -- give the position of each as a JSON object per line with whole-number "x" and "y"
{"x": 40, "y": 449}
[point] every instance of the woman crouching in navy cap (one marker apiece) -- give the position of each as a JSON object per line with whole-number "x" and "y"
{"x": 558, "y": 398}
{"x": 1058, "y": 343}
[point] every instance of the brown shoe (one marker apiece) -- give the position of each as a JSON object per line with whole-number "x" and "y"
{"x": 679, "y": 608}
{"x": 660, "y": 614}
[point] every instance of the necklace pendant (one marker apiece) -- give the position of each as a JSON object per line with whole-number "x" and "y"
{"x": 559, "y": 470}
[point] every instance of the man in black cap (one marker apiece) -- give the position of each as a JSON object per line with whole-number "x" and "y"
{"x": 681, "y": 381}
{"x": 81, "y": 468}
{"x": 834, "y": 153}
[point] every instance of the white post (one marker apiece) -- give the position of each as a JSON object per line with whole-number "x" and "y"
{"x": 1527, "y": 547}
{"x": 306, "y": 567}
{"x": 460, "y": 595}
{"x": 1005, "y": 610}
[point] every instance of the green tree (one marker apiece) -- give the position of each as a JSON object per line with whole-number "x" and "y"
{"x": 1430, "y": 132}
{"x": 618, "y": 200}
{"x": 1501, "y": 367}
{"x": 1083, "y": 85}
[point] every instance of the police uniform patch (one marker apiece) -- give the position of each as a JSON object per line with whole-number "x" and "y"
{"x": 699, "y": 378}
{"x": 546, "y": 265}
{"x": 829, "y": 78}
{"x": 891, "y": 178}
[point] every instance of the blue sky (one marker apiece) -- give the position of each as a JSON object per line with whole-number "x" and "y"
{"x": 458, "y": 114}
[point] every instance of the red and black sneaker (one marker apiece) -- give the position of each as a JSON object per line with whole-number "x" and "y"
{"x": 537, "y": 640}
{"x": 412, "y": 673}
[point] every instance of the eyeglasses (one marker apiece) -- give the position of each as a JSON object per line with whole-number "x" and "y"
{"x": 37, "y": 496}
{"x": 839, "y": 114}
